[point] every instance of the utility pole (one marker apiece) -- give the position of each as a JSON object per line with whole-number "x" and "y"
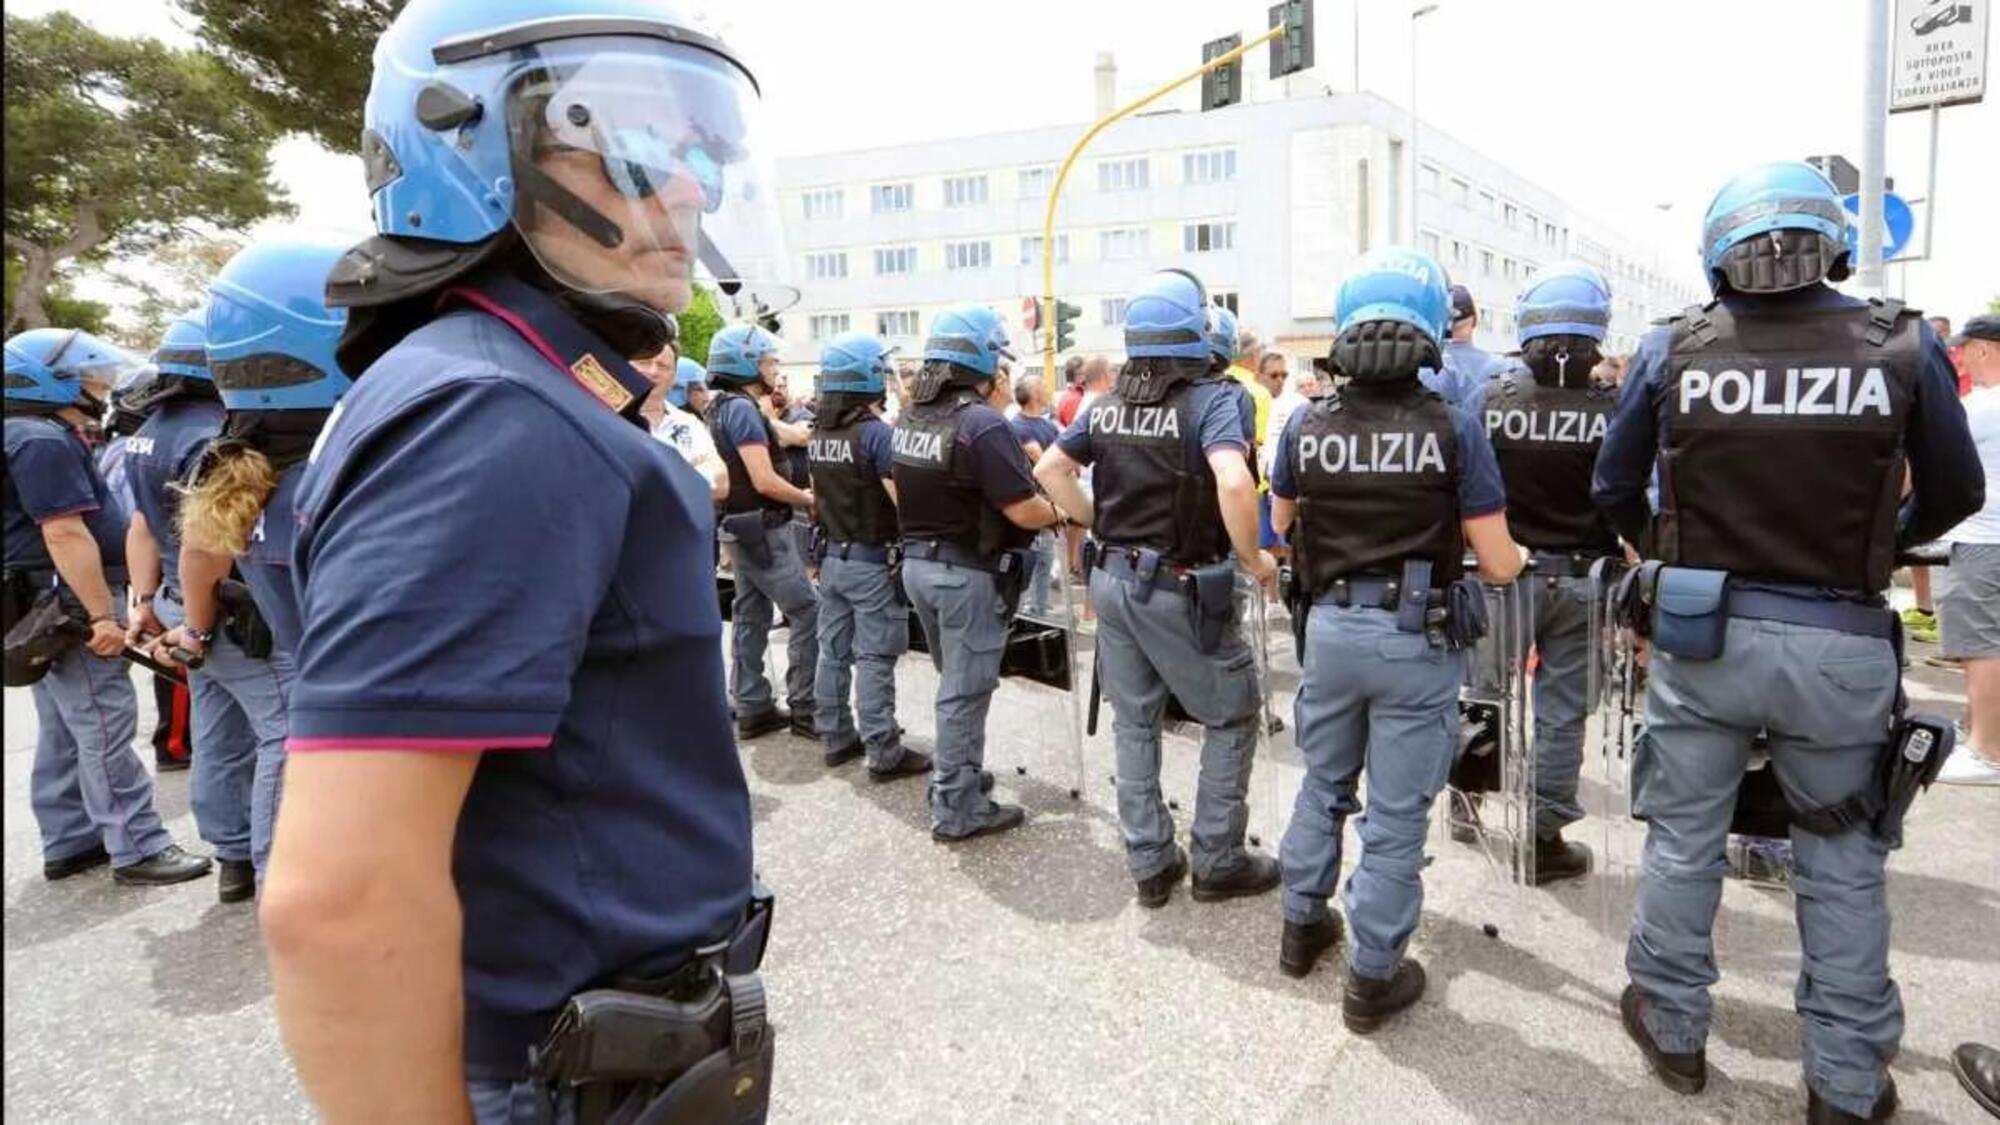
{"x": 1874, "y": 144}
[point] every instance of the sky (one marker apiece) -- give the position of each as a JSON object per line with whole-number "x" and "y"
{"x": 1618, "y": 106}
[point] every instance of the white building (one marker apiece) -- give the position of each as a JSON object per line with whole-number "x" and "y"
{"x": 1267, "y": 202}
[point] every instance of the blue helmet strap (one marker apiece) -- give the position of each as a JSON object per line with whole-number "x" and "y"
{"x": 1384, "y": 351}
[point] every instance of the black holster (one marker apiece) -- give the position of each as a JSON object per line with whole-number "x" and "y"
{"x": 896, "y": 586}
{"x": 1298, "y": 603}
{"x": 694, "y": 1046}
{"x": 1464, "y": 613}
{"x": 750, "y": 534}
{"x": 1211, "y": 600}
{"x": 242, "y": 622}
{"x": 40, "y": 632}
{"x": 1010, "y": 576}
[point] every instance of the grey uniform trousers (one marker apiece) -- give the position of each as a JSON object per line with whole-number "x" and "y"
{"x": 965, "y": 627}
{"x": 781, "y": 584}
{"x": 863, "y": 629}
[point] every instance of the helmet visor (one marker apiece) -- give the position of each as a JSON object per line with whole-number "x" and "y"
{"x": 639, "y": 171}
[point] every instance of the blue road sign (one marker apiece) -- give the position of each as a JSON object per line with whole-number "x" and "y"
{"x": 1898, "y": 224}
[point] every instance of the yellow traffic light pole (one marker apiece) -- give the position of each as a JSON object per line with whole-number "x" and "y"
{"x": 1062, "y": 174}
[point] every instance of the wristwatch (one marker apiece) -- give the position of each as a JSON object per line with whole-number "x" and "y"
{"x": 201, "y": 637}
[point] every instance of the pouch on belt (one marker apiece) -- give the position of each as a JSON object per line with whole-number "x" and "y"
{"x": 1211, "y": 599}
{"x": 748, "y": 531}
{"x": 1691, "y": 612}
{"x": 1010, "y": 576}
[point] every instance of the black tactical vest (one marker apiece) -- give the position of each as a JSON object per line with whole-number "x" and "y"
{"x": 1377, "y": 471}
{"x": 1782, "y": 442}
{"x": 1151, "y": 482}
{"x": 1546, "y": 439}
{"x": 933, "y": 503}
{"x": 743, "y": 495}
{"x": 847, "y": 491}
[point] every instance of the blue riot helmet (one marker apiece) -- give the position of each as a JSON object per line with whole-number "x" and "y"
{"x": 965, "y": 348}
{"x": 1567, "y": 299}
{"x": 1222, "y": 335}
{"x": 1774, "y": 228}
{"x": 131, "y": 400}
{"x": 687, "y": 375}
{"x": 1168, "y": 317}
{"x": 183, "y": 350}
{"x": 52, "y": 365}
{"x": 618, "y": 138}
{"x": 736, "y": 353}
{"x": 270, "y": 335}
{"x": 854, "y": 363}
{"x": 1391, "y": 312}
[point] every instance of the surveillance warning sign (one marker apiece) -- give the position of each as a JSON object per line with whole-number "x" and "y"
{"x": 1940, "y": 54}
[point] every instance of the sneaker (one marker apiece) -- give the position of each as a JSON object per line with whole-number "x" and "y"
{"x": 911, "y": 764}
{"x": 1821, "y": 1113}
{"x": 171, "y": 864}
{"x": 757, "y": 726}
{"x": 1367, "y": 1002}
{"x": 1920, "y": 625}
{"x": 1967, "y": 766}
{"x": 77, "y": 864}
{"x": 1004, "y": 818}
{"x": 1254, "y": 875}
{"x": 1155, "y": 888}
{"x": 1557, "y": 859}
{"x": 236, "y": 880}
{"x": 1683, "y": 1073}
{"x": 1304, "y": 942}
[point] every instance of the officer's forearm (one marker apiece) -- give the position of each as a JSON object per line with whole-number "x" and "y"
{"x": 142, "y": 558}
{"x": 201, "y": 572}
{"x": 1283, "y": 512}
{"x": 1237, "y": 493}
{"x": 74, "y": 551}
{"x": 792, "y": 433}
{"x": 1056, "y": 473}
{"x": 765, "y": 479}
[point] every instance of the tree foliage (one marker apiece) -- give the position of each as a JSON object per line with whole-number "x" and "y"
{"x": 699, "y": 321}
{"x": 307, "y": 62}
{"x": 114, "y": 145}
{"x": 64, "y": 308}
{"x": 172, "y": 280}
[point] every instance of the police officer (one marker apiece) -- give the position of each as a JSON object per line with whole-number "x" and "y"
{"x": 1782, "y": 416}
{"x": 1467, "y": 368}
{"x": 764, "y": 555}
{"x": 92, "y": 798}
{"x": 968, "y": 506}
{"x": 1174, "y": 503}
{"x": 270, "y": 351}
{"x": 1546, "y": 421}
{"x": 511, "y": 776}
{"x": 863, "y": 626}
{"x": 238, "y": 706}
{"x": 1388, "y": 485}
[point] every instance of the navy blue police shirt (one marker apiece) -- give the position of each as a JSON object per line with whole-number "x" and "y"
{"x": 159, "y": 457}
{"x": 1224, "y": 418}
{"x": 1036, "y": 430}
{"x": 267, "y": 566}
{"x": 1480, "y": 490}
{"x": 491, "y": 560}
{"x": 1945, "y": 474}
{"x": 741, "y": 424}
{"x": 50, "y": 474}
{"x": 989, "y": 457}
{"x": 878, "y": 449}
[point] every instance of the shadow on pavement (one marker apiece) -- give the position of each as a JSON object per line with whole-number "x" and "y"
{"x": 212, "y": 967}
{"x": 45, "y": 912}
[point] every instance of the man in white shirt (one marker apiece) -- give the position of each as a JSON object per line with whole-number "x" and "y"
{"x": 674, "y": 425}
{"x": 1969, "y": 605}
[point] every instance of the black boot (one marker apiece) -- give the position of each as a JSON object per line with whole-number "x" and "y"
{"x": 1368, "y": 1001}
{"x": 77, "y": 864}
{"x": 1303, "y": 942}
{"x": 1557, "y": 859}
{"x": 1821, "y": 1113}
{"x": 1003, "y": 819}
{"x": 1253, "y": 875}
{"x": 235, "y": 881}
{"x": 1978, "y": 1070}
{"x": 170, "y": 864}
{"x": 1154, "y": 889}
{"x": 1684, "y": 1073}
{"x": 911, "y": 764}
{"x": 804, "y": 726}
{"x": 841, "y": 755}
{"x": 757, "y": 726}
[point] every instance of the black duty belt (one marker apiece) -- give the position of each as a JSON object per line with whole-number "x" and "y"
{"x": 937, "y": 550}
{"x": 1566, "y": 564}
{"x": 857, "y": 552}
{"x": 1764, "y": 604}
{"x": 1144, "y": 566}
{"x": 1370, "y": 591}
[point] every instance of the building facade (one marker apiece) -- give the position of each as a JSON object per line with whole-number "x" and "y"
{"x": 1268, "y": 202}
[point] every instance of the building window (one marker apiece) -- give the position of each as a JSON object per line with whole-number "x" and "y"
{"x": 1530, "y": 223}
{"x": 895, "y": 260}
{"x": 1427, "y": 179}
{"x": 1112, "y": 310}
{"x": 1200, "y": 238}
{"x": 1210, "y": 167}
{"x": 1510, "y": 215}
{"x": 1486, "y": 262}
{"x": 968, "y": 255}
{"x": 1122, "y": 175}
{"x": 1227, "y": 301}
{"x": 1122, "y": 244}
{"x": 1036, "y": 182}
{"x": 1549, "y": 233}
{"x": 891, "y": 197}
{"x": 1458, "y": 253}
{"x": 964, "y": 191}
{"x": 1489, "y": 203}
{"x": 1031, "y": 250}
{"x": 826, "y": 267}
{"x": 828, "y": 325}
{"x": 1461, "y": 193}
{"x": 1429, "y": 241}
{"x": 1512, "y": 268}
{"x": 902, "y": 322}
{"x": 823, "y": 203}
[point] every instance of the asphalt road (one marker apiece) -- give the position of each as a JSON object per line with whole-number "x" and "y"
{"x": 1014, "y": 978}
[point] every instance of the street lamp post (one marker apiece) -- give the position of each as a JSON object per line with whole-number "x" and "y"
{"x": 1416, "y": 166}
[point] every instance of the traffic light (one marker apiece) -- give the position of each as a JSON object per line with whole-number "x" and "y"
{"x": 1292, "y": 51}
{"x": 1066, "y": 315}
{"x": 1222, "y": 86}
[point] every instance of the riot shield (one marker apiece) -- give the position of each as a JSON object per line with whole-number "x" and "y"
{"x": 1034, "y": 731}
{"x": 1490, "y": 798}
{"x": 1615, "y": 709}
{"x": 1276, "y": 770}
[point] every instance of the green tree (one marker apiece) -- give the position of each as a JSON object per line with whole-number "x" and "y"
{"x": 700, "y": 321}
{"x": 113, "y": 145}
{"x": 307, "y": 62}
{"x": 64, "y": 309}
{"x": 172, "y": 280}
{"x": 1993, "y": 306}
